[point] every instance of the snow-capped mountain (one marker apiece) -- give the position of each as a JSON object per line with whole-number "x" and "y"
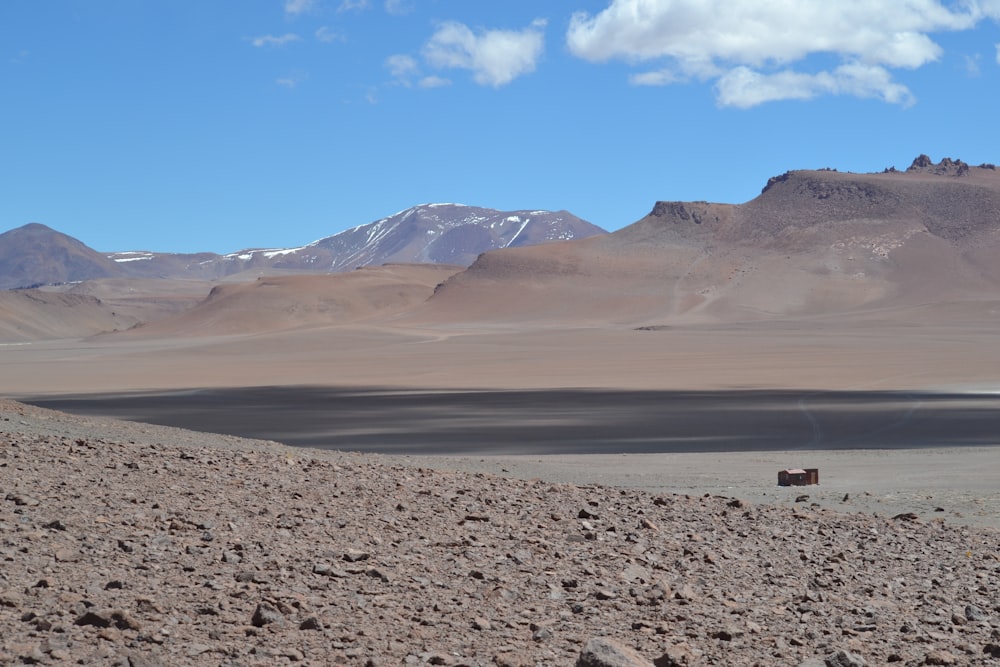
{"x": 429, "y": 233}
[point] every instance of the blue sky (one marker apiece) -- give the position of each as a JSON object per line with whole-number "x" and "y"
{"x": 188, "y": 125}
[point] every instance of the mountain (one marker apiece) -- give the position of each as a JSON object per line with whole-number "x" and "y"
{"x": 35, "y": 254}
{"x": 814, "y": 243}
{"x": 430, "y": 233}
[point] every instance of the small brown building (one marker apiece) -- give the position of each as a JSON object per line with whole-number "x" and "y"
{"x": 798, "y": 477}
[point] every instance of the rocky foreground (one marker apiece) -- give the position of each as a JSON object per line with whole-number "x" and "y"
{"x": 127, "y": 545}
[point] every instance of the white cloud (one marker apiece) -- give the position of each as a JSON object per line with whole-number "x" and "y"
{"x": 743, "y": 45}
{"x": 434, "y": 82}
{"x": 292, "y": 80}
{"x": 402, "y": 67}
{"x": 354, "y": 5}
{"x": 272, "y": 40}
{"x": 324, "y": 34}
{"x": 398, "y": 7}
{"x": 972, "y": 65}
{"x": 656, "y": 78}
{"x": 496, "y": 57}
{"x": 744, "y": 87}
{"x": 299, "y": 6}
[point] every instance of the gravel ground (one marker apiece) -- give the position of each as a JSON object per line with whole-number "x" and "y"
{"x": 132, "y": 545}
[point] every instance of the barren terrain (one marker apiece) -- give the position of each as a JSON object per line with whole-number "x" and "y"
{"x": 576, "y": 441}
{"x": 135, "y": 545}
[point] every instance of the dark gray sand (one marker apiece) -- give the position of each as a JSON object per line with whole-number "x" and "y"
{"x": 564, "y": 421}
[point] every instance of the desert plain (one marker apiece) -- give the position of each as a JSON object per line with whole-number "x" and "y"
{"x": 562, "y": 454}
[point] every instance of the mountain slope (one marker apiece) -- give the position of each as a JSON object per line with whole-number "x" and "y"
{"x": 430, "y": 233}
{"x": 33, "y": 315}
{"x": 35, "y": 254}
{"x": 813, "y": 243}
{"x": 280, "y": 303}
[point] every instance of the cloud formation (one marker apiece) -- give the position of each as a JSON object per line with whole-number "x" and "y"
{"x": 757, "y": 52}
{"x": 744, "y": 87}
{"x": 353, "y": 5}
{"x": 402, "y": 67}
{"x": 292, "y": 80}
{"x": 405, "y": 70}
{"x": 398, "y": 7}
{"x": 273, "y": 40}
{"x": 433, "y": 82}
{"x": 325, "y": 35}
{"x": 295, "y": 7}
{"x": 495, "y": 57}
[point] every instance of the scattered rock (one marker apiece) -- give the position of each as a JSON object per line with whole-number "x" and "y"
{"x": 603, "y": 652}
{"x": 110, "y": 618}
{"x": 312, "y": 560}
{"x": 940, "y": 658}
{"x": 974, "y": 613}
{"x": 266, "y": 614}
{"x": 844, "y": 659}
{"x": 311, "y": 623}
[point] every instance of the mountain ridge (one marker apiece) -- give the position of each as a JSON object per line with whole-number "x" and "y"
{"x": 36, "y": 254}
{"x": 813, "y": 242}
{"x": 427, "y": 233}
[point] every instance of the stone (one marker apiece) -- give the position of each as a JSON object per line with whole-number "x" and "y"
{"x": 603, "y": 652}
{"x": 676, "y": 656}
{"x": 975, "y": 614}
{"x": 266, "y": 614}
{"x": 311, "y": 623}
{"x": 843, "y": 658}
{"x": 514, "y": 659}
{"x": 107, "y": 619}
{"x": 937, "y": 657}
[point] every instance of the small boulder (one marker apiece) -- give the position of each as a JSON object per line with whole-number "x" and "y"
{"x": 603, "y": 652}
{"x": 844, "y": 659}
{"x": 265, "y": 614}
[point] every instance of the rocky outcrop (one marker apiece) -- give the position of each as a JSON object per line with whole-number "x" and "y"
{"x": 947, "y": 166}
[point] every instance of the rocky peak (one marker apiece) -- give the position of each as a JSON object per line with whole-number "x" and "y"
{"x": 947, "y": 166}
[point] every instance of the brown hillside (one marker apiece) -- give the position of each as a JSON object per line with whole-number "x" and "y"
{"x": 33, "y": 315}
{"x": 290, "y": 302}
{"x": 813, "y": 243}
